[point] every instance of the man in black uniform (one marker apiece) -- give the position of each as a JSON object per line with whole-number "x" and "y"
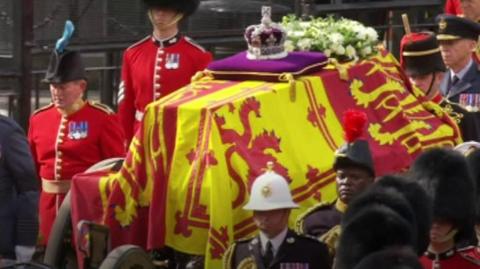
{"x": 276, "y": 246}
{"x": 19, "y": 194}
{"x": 461, "y": 86}
{"x": 355, "y": 172}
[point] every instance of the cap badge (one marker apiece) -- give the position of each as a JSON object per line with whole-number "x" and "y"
{"x": 266, "y": 191}
{"x": 442, "y": 24}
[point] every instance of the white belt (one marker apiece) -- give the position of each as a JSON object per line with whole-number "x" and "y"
{"x": 138, "y": 115}
{"x": 56, "y": 186}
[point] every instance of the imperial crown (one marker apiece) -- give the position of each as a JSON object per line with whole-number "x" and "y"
{"x": 265, "y": 40}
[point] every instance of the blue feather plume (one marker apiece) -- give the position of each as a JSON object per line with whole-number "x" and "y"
{"x": 62, "y": 42}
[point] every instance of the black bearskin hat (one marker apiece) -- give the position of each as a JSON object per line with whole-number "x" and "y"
{"x": 420, "y": 203}
{"x": 187, "y": 7}
{"x": 444, "y": 174}
{"x": 473, "y": 159}
{"x": 374, "y": 221}
{"x": 392, "y": 258}
{"x": 356, "y": 151}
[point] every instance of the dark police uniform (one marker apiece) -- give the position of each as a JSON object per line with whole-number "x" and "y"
{"x": 296, "y": 251}
{"x": 19, "y": 190}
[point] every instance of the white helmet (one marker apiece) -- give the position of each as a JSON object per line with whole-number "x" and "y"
{"x": 467, "y": 147}
{"x": 270, "y": 191}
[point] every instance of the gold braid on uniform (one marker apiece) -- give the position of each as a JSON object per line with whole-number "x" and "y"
{"x": 341, "y": 206}
{"x": 227, "y": 256}
{"x": 302, "y": 216}
{"x": 331, "y": 238}
{"x": 455, "y": 115}
{"x": 247, "y": 263}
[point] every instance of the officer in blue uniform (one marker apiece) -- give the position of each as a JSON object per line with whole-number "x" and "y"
{"x": 19, "y": 194}
{"x": 457, "y": 39}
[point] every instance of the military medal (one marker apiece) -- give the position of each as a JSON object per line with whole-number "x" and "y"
{"x": 77, "y": 130}
{"x": 172, "y": 61}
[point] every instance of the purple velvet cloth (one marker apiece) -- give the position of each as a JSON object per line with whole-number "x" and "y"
{"x": 293, "y": 63}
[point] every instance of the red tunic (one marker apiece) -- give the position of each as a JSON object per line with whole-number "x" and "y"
{"x": 152, "y": 69}
{"x": 472, "y": 252}
{"x": 449, "y": 260}
{"x": 453, "y": 7}
{"x": 63, "y": 146}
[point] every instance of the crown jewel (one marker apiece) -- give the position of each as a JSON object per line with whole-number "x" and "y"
{"x": 265, "y": 40}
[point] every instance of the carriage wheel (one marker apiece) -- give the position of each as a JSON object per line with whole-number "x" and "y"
{"x": 126, "y": 257}
{"x": 59, "y": 252}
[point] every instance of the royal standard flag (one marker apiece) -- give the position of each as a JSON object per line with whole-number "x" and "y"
{"x": 190, "y": 167}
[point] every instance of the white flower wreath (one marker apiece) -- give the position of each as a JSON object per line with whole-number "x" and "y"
{"x": 342, "y": 38}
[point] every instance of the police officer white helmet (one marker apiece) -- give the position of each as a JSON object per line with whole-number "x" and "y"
{"x": 270, "y": 191}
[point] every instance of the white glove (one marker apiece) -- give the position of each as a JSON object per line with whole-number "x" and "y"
{"x": 24, "y": 253}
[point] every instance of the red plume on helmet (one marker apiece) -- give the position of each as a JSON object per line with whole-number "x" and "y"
{"x": 354, "y": 123}
{"x": 356, "y": 151}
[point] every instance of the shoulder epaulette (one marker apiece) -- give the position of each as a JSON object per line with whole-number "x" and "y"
{"x": 302, "y": 216}
{"x": 195, "y": 44}
{"x": 227, "y": 256}
{"x": 42, "y": 109}
{"x": 245, "y": 239}
{"x": 464, "y": 249}
{"x": 469, "y": 258}
{"x": 139, "y": 42}
{"x": 101, "y": 107}
{"x": 309, "y": 237}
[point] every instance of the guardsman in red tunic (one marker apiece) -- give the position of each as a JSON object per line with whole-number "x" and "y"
{"x": 421, "y": 59}
{"x": 69, "y": 135}
{"x": 160, "y": 63}
{"x": 444, "y": 174}
{"x": 471, "y": 150}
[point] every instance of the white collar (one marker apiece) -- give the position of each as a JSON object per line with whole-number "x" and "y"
{"x": 276, "y": 241}
{"x": 462, "y": 72}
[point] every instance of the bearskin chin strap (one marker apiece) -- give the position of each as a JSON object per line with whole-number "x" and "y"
{"x": 175, "y": 20}
{"x": 449, "y": 236}
{"x": 477, "y": 233}
{"x": 434, "y": 76}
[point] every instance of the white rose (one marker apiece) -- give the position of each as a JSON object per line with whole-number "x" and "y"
{"x": 289, "y": 46}
{"x": 298, "y": 33}
{"x": 304, "y": 44}
{"x": 304, "y": 24}
{"x": 371, "y": 34}
{"x": 366, "y": 51}
{"x": 340, "y": 50}
{"x": 350, "y": 51}
{"x": 361, "y": 33}
{"x": 336, "y": 38}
